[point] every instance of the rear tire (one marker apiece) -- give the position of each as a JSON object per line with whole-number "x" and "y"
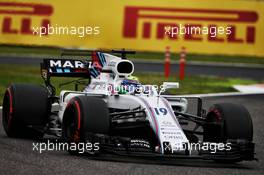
{"x": 84, "y": 115}
{"x": 23, "y": 106}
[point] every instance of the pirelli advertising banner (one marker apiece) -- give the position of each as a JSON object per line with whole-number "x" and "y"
{"x": 202, "y": 26}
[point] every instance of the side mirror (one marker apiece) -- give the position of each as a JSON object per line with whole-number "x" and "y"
{"x": 169, "y": 85}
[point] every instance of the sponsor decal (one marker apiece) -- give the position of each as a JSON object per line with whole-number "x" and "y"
{"x": 158, "y": 18}
{"x": 25, "y": 13}
{"x": 66, "y": 63}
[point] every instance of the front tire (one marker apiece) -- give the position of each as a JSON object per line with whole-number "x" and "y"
{"x": 84, "y": 115}
{"x": 233, "y": 120}
{"x": 230, "y": 123}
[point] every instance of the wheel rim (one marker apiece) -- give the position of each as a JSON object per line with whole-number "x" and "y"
{"x": 72, "y": 133}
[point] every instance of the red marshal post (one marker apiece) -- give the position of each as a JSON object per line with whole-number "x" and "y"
{"x": 93, "y": 56}
{"x": 182, "y": 63}
{"x": 167, "y": 62}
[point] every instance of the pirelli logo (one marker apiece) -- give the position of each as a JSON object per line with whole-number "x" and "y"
{"x": 24, "y": 13}
{"x": 151, "y": 21}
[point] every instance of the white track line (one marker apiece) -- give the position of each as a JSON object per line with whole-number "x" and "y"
{"x": 216, "y": 94}
{"x": 53, "y": 105}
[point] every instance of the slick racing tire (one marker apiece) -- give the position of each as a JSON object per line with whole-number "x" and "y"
{"x": 232, "y": 121}
{"x": 84, "y": 115}
{"x": 25, "y": 111}
{"x": 228, "y": 122}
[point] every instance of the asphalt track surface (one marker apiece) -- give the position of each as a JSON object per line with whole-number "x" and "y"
{"x": 191, "y": 69}
{"x": 17, "y": 156}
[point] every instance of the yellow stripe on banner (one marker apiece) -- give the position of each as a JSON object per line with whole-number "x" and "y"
{"x": 135, "y": 24}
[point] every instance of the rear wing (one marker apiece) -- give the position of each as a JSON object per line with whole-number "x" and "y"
{"x": 77, "y": 52}
{"x": 86, "y": 68}
{"x": 63, "y": 68}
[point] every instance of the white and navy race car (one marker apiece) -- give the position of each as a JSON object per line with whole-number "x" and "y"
{"x": 124, "y": 116}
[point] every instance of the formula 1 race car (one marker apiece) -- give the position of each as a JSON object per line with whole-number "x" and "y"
{"x": 124, "y": 116}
